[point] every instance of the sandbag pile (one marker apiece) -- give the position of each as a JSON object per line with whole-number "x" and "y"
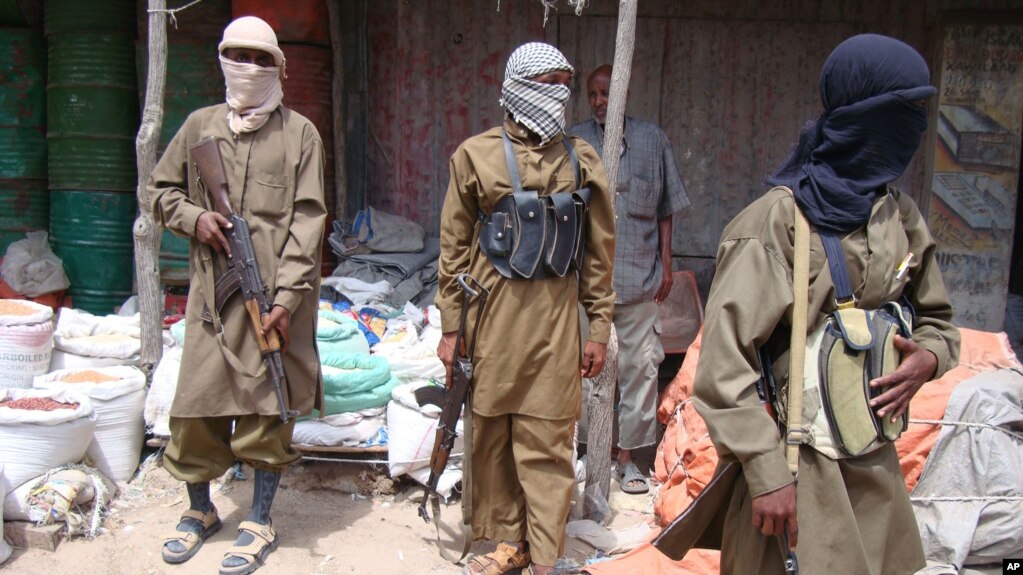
{"x": 26, "y": 342}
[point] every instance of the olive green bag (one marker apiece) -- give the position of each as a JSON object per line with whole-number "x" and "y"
{"x": 844, "y": 353}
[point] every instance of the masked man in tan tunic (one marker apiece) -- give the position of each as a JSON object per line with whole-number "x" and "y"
{"x": 847, "y": 515}
{"x": 527, "y": 363}
{"x": 225, "y": 408}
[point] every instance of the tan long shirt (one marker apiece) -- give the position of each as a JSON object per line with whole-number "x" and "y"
{"x": 751, "y": 302}
{"x": 276, "y": 183}
{"x": 528, "y": 355}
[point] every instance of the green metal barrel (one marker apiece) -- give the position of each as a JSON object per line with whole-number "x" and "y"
{"x": 92, "y": 110}
{"x": 72, "y": 16}
{"x": 91, "y": 232}
{"x": 24, "y": 200}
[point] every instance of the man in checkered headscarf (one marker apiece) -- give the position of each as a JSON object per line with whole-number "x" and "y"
{"x": 537, "y": 105}
{"x": 529, "y": 357}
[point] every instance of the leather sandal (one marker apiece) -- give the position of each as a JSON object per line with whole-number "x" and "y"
{"x": 191, "y": 541}
{"x": 499, "y": 561}
{"x": 264, "y": 541}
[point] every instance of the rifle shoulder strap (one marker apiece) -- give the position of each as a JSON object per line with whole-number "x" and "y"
{"x": 797, "y": 347}
{"x": 466, "y": 488}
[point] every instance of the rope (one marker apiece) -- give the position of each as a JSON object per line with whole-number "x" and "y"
{"x": 548, "y": 5}
{"x": 970, "y": 498}
{"x": 171, "y": 12}
{"x": 1018, "y": 436}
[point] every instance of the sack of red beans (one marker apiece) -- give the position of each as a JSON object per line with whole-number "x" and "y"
{"x": 41, "y": 429}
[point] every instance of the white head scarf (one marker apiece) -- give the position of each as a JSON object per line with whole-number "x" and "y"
{"x": 253, "y": 92}
{"x": 539, "y": 107}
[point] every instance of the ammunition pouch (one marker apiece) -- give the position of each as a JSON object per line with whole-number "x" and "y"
{"x": 844, "y": 353}
{"x": 533, "y": 236}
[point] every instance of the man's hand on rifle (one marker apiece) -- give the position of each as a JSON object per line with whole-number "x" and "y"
{"x": 279, "y": 318}
{"x": 207, "y": 230}
{"x": 594, "y": 355}
{"x": 446, "y": 353}
{"x": 774, "y": 513}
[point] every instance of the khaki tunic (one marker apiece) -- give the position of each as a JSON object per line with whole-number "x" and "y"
{"x": 276, "y": 183}
{"x": 527, "y": 358}
{"x": 750, "y": 305}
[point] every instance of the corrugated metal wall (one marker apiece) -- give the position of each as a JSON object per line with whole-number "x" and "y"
{"x": 731, "y": 82}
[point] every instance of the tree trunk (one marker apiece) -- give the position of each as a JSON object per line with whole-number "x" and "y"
{"x": 337, "y": 105}
{"x": 147, "y": 233}
{"x": 598, "y": 453}
{"x": 598, "y": 450}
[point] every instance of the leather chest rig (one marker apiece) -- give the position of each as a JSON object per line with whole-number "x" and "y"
{"x": 533, "y": 236}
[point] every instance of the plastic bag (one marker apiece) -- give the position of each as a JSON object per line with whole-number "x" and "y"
{"x": 31, "y": 268}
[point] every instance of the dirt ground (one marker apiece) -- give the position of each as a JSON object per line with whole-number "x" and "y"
{"x": 331, "y": 518}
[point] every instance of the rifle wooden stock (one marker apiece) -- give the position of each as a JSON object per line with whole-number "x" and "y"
{"x": 243, "y": 274}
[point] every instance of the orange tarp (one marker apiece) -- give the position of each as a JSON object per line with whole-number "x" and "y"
{"x": 686, "y": 457}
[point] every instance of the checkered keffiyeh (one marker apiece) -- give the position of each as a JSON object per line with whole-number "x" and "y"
{"x": 539, "y": 107}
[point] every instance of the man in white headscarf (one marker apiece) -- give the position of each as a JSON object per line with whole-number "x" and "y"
{"x": 527, "y": 363}
{"x": 225, "y": 409}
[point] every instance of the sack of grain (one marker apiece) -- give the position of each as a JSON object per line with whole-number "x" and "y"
{"x": 41, "y": 429}
{"x": 118, "y": 396}
{"x": 26, "y": 342}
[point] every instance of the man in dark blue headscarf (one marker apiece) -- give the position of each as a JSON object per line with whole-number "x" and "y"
{"x": 844, "y": 514}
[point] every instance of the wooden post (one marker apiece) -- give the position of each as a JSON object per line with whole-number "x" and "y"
{"x": 337, "y": 91}
{"x": 601, "y": 409}
{"x": 147, "y": 233}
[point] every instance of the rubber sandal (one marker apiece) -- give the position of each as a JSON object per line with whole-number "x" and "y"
{"x": 264, "y": 541}
{"x": 629, "y": 473}
{"x": 499, "y": 561}
{"x": 192, "y": 542}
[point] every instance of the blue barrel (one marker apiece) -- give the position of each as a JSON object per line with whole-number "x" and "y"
{"x": 24, "y": 200}
{"x": 91, "y": 232}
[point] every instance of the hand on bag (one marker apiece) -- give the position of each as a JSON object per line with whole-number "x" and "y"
{"x": 207, "y": 230}
{"x": 775, "y": 512}
{"x": 594, "y": 355}
{"x": 916, "y": 368}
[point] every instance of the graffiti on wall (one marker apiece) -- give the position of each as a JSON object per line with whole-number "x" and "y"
{"x": 976, "y": 167}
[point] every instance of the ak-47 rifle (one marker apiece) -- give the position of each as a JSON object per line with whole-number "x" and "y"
{"x": 243, "y": 269}
{"x": 457, "y": 391}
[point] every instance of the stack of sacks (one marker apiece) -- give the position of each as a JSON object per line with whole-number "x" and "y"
{"x": 339, "y": 334}
{"x": 411, "y": 432}
{"x": 41, "y": 429}
{"x": 165, "y": 383}
{"x": 413, "y": 358}
{"x": 85, "y": 340}
{"x": 118, "y": 395}
{"x": 26, "y": 342}
{"x": 355, "y": 381}
{"x": 351, "y": 429}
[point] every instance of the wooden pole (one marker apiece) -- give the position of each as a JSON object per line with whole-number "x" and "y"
{"x": 337, "y": 108}
{"x": 601, "y": 409}
{"x": 146, "y": 232}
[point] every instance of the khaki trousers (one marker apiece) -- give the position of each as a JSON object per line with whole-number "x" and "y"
{"x": 203, "y": 448}
{"x": 639, "y": 356}
{"x": 522, "y": 480}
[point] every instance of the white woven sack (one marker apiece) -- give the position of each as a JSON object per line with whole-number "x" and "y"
{"x": 65, "y": 360}
{"x": 33, "y": 442}
{"x": 161, "y": 392}
{"x": 26, "y": 342}
{"x": 117, "y": 440}
{"x": 5, "y": 549}
{"x": 410, "y": 438}
{"x": 82, "y": 333}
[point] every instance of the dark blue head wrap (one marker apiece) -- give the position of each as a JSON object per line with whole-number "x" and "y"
{"x": 867, "y": 135}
